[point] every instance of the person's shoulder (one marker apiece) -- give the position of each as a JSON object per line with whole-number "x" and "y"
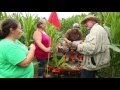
{"x": 36, "y": 32}
{"x": 99, "y": 28}
{"x": 79, "y": 29}
{"x": 19, "y": 42}
{"x": 5, "y": 45}
{"x": 69, "y": 30}
{"x": 95, "y": 27}
{"x": 5, "y": 42}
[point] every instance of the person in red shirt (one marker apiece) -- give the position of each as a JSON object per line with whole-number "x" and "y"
{"x": 42, "y": 43}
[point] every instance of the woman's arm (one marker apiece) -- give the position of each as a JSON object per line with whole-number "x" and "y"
{"x": 66, "y": 37}
{"x": 29, "y": 57}
{"x": 38, "y": 38}
{"x": 67, "y": 41}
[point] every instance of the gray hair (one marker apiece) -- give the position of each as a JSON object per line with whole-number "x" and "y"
{"x": 42, "y": 21}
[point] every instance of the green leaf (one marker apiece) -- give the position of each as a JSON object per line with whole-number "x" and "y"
{"x": 115, "y": 48}
{"x": 61, "y": 61}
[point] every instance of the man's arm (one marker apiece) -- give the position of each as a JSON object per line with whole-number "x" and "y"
{"x": 66, "y": 38}
{"x": 88, "y": 47}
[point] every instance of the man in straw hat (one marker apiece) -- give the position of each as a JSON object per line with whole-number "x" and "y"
{"x": 95, "y": 48}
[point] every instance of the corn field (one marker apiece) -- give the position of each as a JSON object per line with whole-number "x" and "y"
{"x": 109, "y": 20}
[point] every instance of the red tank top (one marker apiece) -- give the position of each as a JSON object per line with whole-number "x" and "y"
{"x": 40, "y": 54}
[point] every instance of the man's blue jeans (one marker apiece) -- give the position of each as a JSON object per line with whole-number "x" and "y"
{"x": 88, "y": 74}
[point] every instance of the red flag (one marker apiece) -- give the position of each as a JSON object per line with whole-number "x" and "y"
{"x": 53, "y": 19}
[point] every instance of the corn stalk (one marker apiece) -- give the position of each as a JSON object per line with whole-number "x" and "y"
{"x": 3, "y": 15}
{"x": 29, "y": 26}
{"x": 111, "y": 21}
{"x": 55, "y": 35}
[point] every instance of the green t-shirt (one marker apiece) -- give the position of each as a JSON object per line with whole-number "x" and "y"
{"x": 12, "y": 53}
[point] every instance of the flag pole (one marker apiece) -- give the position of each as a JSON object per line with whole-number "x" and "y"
{"x": 48, "y": 58}
{"x": 49, "y": 53}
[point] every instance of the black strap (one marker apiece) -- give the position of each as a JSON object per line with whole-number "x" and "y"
{"x": 93, "y": 61}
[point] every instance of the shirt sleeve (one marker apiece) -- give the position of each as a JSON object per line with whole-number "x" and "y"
{"x": 80, "y": 35}
{"x": 67, "y": 34}
{"x": 88, "y": 46}
{"x": 15, "y": 55}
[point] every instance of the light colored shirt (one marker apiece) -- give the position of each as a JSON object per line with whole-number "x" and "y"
{"x": 96, "y": 45}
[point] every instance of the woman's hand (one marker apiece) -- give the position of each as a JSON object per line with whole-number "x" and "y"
{"x": 32, "y": 46}
{"x": 48, "y": 49}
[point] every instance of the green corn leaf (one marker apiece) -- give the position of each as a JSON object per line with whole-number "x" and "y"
{"x": 115, "y": 48}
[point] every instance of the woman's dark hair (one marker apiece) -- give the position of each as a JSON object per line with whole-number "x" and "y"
{"x": 40, "y": 22}
{"x": 1, "y": 34}
{"x": 6, "y": 25}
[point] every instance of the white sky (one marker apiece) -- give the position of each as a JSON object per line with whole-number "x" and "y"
{"x": 47, "y": 14}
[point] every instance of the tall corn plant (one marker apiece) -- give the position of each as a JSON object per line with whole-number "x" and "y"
{"x": 18, "y": 16}
{"x": 56, "y": 63}
{"x": 29, "y": 26}
{"x": 111, "y": 22}
{"x": 55, "y": 36}
{"x": 3, "y": 15}
{"x": 28, "y": 23}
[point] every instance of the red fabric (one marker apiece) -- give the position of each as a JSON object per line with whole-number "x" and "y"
{"x": 53, "y": 19}
{"x": 40, "y": 54}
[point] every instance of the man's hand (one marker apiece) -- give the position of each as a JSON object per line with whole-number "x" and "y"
{"x": 75, "y": 43}
{"x": 69, "y": 42}
{"x": 81, "y": 67}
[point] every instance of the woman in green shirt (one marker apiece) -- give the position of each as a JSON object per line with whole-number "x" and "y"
{"x": 15, "y": 59}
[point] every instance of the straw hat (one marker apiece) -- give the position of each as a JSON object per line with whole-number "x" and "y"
{"x": 90, "y": 17}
